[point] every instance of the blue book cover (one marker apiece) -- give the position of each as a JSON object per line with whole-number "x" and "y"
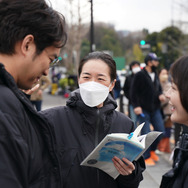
{"x": 121, "y": 145}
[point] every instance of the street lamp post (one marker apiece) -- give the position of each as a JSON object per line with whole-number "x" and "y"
{"x": 92, "y": 46}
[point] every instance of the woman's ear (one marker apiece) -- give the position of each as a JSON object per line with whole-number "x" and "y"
{"x": 112, "y": 85}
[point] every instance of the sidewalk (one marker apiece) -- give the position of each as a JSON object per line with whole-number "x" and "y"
{"x": 50, "y": 101}
{"x": 153, "y": 174}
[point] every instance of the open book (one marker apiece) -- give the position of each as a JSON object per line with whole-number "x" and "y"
{"x": 130, "y": 146}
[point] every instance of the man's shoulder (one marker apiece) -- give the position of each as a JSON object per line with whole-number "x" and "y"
{"x": 140, "y": 74}
{"x": 55, "y": 112}
{"x": 129, "y": 78}
{"x": 8, "y": 100}
{"x": 6, "y": 92}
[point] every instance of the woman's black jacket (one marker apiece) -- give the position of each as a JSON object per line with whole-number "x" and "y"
{"x": 79, "y": 129}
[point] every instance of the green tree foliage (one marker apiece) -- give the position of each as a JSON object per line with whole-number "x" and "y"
{"x": 171, "y": 37}
{"x": 107, "y": 38}
{"x": 111, "y": 43}
{"x": 85, "y": 48}
{"x": 152, "y": 39}
{"x": 138, "y": 55}
{"x": 166, "y": 44}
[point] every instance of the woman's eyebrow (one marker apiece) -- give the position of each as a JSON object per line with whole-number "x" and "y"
{"x": 86, "y": 73}
{"x": 102, "y": 75}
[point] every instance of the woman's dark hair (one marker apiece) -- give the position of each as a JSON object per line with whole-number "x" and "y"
{"x": 179, "y": 73}
{"x": 19, "y": 18}
{"x": 102, "y": 56}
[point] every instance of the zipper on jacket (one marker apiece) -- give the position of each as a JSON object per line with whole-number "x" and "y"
{"x": 97, "y": 139}
{"x": 97, "y": 128}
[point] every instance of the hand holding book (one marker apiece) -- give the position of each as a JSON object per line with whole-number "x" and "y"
{"x": 122, "y": 145}
{"x": 124, "y": 166}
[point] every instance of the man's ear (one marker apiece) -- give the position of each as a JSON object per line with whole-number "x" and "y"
{"x": 112, "y": 85}
{"x": 27, "y": 44}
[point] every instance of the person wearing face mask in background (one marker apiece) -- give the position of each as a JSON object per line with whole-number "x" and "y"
{"x": 164, "y": 144}
{"x": 87, "y": 118}
{"x": 146, "y": 97}
{"x": 134, "y": 68}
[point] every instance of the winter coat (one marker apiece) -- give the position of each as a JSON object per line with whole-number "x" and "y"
{"x": 27, "y": 142}
{"x": 127, "y": 87}
{"x": 79, "y": 129}
{"x": 177, "y": 177}
{"x": 144, "y": 92}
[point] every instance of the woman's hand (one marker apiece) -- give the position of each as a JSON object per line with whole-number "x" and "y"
{"x": 124, "y": 167}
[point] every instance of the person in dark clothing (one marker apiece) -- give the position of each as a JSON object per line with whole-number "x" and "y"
{"x": 86, "y": 119}
{"x": 177, "y": 95}
{"x": 31, "y": 35}
{"x": 134, "y": 68}
{"x": 117, "y": 88}
{"x": 146, "y": 97}
{"x": 178, "y": 130}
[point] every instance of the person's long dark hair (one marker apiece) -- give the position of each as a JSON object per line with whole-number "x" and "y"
{"x": 179, "y": 73}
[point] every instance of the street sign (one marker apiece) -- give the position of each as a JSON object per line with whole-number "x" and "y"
{"x": 145, "y": 46}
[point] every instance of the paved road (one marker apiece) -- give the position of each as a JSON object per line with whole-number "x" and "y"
{"x": 52, "y": 100}
{"x": 152, "y": 175}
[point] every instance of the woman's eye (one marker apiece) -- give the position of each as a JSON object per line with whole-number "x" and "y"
{"x": 101, "y": 79}
{"x": 86, "y": 77}
{"x": 173, "y": 88}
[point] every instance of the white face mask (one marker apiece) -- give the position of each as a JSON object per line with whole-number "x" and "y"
{"x": 93, "y": 93}
{"x": 135, "y": 70}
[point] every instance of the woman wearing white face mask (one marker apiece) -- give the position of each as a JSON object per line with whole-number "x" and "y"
{"x": 88, "y": 117}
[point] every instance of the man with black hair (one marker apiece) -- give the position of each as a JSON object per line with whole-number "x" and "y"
{"x": 146, "y": 95}
{"x": 31, "y": 36}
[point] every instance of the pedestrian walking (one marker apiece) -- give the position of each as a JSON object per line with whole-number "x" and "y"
{"x": 177, "y": 95}
{"x": 164, "y": 144}
{"x": 146, "y": 97}
{"x": 31, "y": 36}
{"x": 86, "y": 119}
{"x": 134, "y": 68}
{"x": 117, "y": 88}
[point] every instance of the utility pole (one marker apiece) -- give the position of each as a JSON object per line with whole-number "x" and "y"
{"x": 92, "y": 45}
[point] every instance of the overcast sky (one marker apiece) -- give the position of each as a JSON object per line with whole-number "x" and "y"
{"x": 132, "y": 15}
